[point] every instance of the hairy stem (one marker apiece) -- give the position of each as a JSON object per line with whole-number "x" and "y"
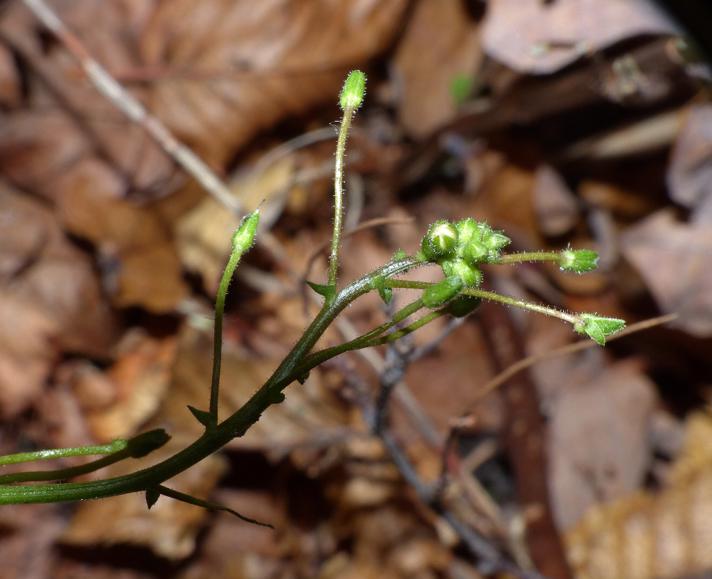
{"x": 339, "y": 194}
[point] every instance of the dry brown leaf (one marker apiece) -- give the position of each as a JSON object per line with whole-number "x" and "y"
{"x": 10, "y": 84}
{"x": 26, "y": 352}
{"x": 170, "y": 528}
{"x": 51, "y": 300}
{"x": 690, "y": 172}
{"x": 556, "y": 206}
{"x": 600, "y": 440}
{"x": 231, "y": 70}
{"x": 135, "y": 241}
{"x": 441, "y": 43}
{"x": 538, "y": 37}
{"x": 673, "y": 259}
{"x": 65, "y": 122}
{"x": 140, "y": 378}
{"x": 654, "y": 536}
{"x": 203, "y": 234}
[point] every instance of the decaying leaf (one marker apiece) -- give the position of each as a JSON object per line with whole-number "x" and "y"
{"x": 50, "y": 298}
{"x": 599, "y": 440}
{"x": 538, "y": 37}
{"x": 690, "y": 172}
{"x": 140, "y": 378}
{"x": 426, "y": 75}
{"x": 203, "y": 234}
{"x": 142, "y": 267}
{"x": 170, "y": 528}
{"x": 654, "y": 536}
{"x": 231, "y": 70}
{"x": 673, "y": 258}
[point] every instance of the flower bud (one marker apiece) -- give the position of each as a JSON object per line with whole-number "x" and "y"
{"x": 598, "y": 328}
{"x": 470, "y": 275}
{"x": 467, "y": 230}
{"x": 353, "y": 91}
{"x": 440, "y": 241}
{"x": 439, "y": 293}
{"x": 496, "y": 241}
{"x": 475, "y": 252}
{"x": 578, "y": 260}
{"x": 244, "y": 236}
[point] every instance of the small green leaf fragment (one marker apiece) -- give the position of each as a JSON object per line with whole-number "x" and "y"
{"x": 244, "y": 237}
{"x": 578, "y": 260}
{"x": 146, "y": 442}
{"x": 598, "y": 328}
{"x": 461, "y": 87}
{"x": 303, "y": 378}
{"x": 399, "y": 255}
{"x": 152, "y": 496}
{"x": 437, "y": 294}
{"x": 203, "y": 416}
{"x": 353, "y": 91}
{"x": 386, "y": 294}
{"x": 325, "y": 290}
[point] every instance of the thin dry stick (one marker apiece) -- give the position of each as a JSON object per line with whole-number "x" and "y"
{"x": 525, "y": 363}
{"x": 132, "y": 107}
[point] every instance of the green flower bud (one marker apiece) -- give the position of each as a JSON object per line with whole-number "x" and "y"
{"x": 578, "y": 260}
{"x": 470, "y": 275}
{"x": 440, "y": 241}
{"x": 496, "y": 241}
{"x": 598, "y": 328}
{"x": 439, "y": 293}
{"x": 467, "y": 230}
{"x": 463, "y": 305}
{"x": 475, "y": 252}
{"x": 244, "y": 236}
{"x": 353, "y": 92}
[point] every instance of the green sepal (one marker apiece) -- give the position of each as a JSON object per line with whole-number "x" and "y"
{"x": 152, "y": 495}
{"x": 598, "y": 328}
{"x": 438, "y": 294}
{"x": 204, "y": 417}
{"x": 303, "y": 378}
{"x": 326, "y": 290}
{"x": 146, "y": 442}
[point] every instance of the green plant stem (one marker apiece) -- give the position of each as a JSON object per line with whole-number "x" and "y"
{"x": 235, "y": 425}
{"x": 54, "y": 453}
{"x": 493, "y": 297}
{"x": 363, "y": 341}
{"x": 513, "y": 258}
{"x": 65, "y": 473}
{"x": 339, "y": 194}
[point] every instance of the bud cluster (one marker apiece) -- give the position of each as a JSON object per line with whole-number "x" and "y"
{"x": 460, "y": 248}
